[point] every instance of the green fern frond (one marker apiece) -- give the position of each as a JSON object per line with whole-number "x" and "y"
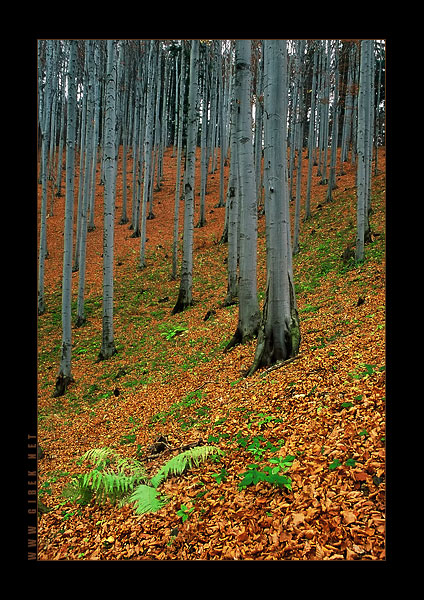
{"x": 112, "y": 476}
{"x": 184, "y": 460}
{"x": 146, "y": 499}
{"x": 99, "y": 457}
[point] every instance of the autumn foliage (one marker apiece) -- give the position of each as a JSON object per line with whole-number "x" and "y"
{"x": 170, "y": 387}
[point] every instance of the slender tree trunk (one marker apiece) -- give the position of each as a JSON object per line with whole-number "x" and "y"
{"x": 203, "y": 166}
{"x": 185, "y": 298}
{"x": 363, "y": 135}
{"x": 279, "y": 333}
{"x": 108, "y": 345}
{"x": 299, "y": 142}
{"x": 178, "y": 178}
{"x": 65, "y": 377}
{"x": 148, "y": 152}
{"x": 249, "y": 314}
{"x": 332, "y": 185}
{"x": 232, "y": 209}
{"x": 45, "y": 128}
{"x": 311, "y": 139}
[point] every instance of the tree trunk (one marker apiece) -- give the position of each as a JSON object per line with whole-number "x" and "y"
{"x": 311, "y": 138}
{"x": 232, "y": 209}
{"x": 185, "y": 298}
{"x": 148, "y": 150}
{"x": 64, "y": 377}
{"x": 363, "y": 138}
{"x": 45, "y": 128}
{"x": 178, "y": 178}
{"x": 279, "y": 333}
{"x": 108, "y": 345}
{"x": 332, "y": 185}
{"x": 249, "y": 314}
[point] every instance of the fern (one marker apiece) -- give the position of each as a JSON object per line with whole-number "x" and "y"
{"x": 146, "y": 496}
{"x": 184, "y": 460}
{"x": 146, "y": 499}
{"x": 114, "y": 477}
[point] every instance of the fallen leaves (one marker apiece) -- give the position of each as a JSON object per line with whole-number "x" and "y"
{"x": 324, "y": 407}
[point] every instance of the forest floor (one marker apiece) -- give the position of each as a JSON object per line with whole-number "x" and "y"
{"x": 171, "y": 378}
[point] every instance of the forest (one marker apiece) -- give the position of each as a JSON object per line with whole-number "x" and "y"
{"x": 210, "y": 300}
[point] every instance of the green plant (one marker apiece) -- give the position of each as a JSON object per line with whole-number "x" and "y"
{"x": 146, "y": 496}
{"x": 114, "y": 477}
{"x": 170, "y": 330}
{"x": 335, "y": 464}
{"x": 271, "y": 474}
{"x": 222, "y": 476}
{"x": 184, "y": 512}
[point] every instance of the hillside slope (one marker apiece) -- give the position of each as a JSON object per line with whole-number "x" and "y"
{"x": 170, "y": 378}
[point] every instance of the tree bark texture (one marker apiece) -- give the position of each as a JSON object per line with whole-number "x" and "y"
{"x": 279, "y": 333}
{"x": 185, "y": 298}
{"x": 108, "y": 345}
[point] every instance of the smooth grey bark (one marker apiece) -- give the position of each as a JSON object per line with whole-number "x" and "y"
{"x": 279, "y": 332}
{"x": 348, "y": 109}
{"x": 58, "y": 183}
{"x": 178, "y": 168}
{"x": 332, "y": 185}
{"x": 185, "y": 298}
{"x": 363, "y": 140}
{"x": 96, "y": 126}
{"x": 232, "y": 209}
{"x": 156, "y": 140}
{"x": 311, "y": 138}
{"x": 45, "y": 129}
{"x": 324, "y": 113}
{"x": 377, "y": 108}
{"x": 108, "y": 344}
{"x": 81, "y": 212}
{"x": 249, "y": 313}
{"x": 65, "y": 377}
{"x": 203, "y": 166}
{"x": 126, "y": 127}
{"x": 138, "y": 158}
{"x": 221, "y": 125}
{"x": 89, "y": 139}
{"x": 259, "y": 109}
{"x": 86, "y": 182}
{"x": 148, "y": 150}
{"x": 300, "y": 49}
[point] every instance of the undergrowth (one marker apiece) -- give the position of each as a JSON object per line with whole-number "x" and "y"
{"x": 116, "y": 478}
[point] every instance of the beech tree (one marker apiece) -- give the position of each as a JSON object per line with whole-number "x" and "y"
{"x": 364, "y": 148}
{"x": 232, "y": 210}
{"x": 279, "y": 332}
{"x": 180, "y": 104}
{"x": 249, "y": 313}
{"x": 44, "y": 124}
{"x": 185, "y": 298}
{"x": 65, "y": 377}
{"x": 148, "y": 145}
{"x": 108, "y": 344}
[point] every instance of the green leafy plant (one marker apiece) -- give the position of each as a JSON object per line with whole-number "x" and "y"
{"x": 222, "y": 476}
{"x": 170, "y": 330}
{"x": 184, "y": 512}
{"x": 335, "y": 464}
{"x": 146, "y": 497}
{"x": 112, "y": 477}
{"x": 116, "y": 478}
{"x": 273, "y": 474}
